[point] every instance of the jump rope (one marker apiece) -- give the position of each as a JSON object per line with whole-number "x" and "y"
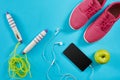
{"x": 65, "y": 76}
{"x": 19, "y": 66}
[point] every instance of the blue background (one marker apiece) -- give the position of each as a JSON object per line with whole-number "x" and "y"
{"x": 32, "y": 16}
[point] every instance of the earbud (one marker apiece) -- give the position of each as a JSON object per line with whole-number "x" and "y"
{"x": 57, "y": 31}
{"x": 59, "y": 43}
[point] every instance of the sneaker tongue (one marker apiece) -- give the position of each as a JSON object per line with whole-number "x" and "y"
{"x": 111, "y": 16}
{"x": 97, "y": 3}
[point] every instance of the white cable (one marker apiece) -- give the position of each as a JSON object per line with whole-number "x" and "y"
{"x": 92, "y": 73}
{"x": 52, "y": 63}
{"x": 43, "y": 53}
{"x": 54, "y": 57}
{"x": 48, "y": 72}
{"x": 67, "y": 75}
{"x": 58, "y": 30}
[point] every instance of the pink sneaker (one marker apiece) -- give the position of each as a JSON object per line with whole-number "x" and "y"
{"x": 84, "y": 11}
{"x": 103, "y": 24}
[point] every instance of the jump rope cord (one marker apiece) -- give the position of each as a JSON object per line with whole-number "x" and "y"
{"x": 92, "y": 73}
{"x": 15, "y": 49}
{"x": 18, "y": 66}
{"x": 13, "y": 53}
{"x": 28, "y": 65}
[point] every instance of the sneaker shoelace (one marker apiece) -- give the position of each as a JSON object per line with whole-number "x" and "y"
{"x": 106, "y": 23}
{"x": 91, "y": 10}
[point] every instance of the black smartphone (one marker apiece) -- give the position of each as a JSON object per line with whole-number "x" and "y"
{"x": 77, "y": 57}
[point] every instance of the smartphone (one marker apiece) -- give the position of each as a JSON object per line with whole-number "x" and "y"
{"x": 77, "y": 56}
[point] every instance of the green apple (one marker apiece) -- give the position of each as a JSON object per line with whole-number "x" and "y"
{"x": 102, "y": 56}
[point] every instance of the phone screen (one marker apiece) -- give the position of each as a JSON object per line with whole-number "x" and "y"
{"x": 77, "y": 57}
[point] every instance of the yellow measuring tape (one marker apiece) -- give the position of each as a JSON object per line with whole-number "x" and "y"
{"x": 19, "y": 66}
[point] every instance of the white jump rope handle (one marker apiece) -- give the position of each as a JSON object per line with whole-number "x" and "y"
{"x": 36, "y": 40}
{"x": 13, "y": 27}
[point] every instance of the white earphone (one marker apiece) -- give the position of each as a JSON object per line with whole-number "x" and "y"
{"x": 59, "y": 43}
{"x": 57, "y": 31}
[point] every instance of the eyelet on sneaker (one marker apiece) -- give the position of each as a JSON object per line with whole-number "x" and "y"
{"x": 106, "y": 25}
{"x": 107, "y": 16}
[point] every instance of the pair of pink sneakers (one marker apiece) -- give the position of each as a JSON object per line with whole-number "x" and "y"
{"x": 99, "y": 28}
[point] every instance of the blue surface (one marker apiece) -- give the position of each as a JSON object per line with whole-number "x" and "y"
{"x": 32, "y": 16}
